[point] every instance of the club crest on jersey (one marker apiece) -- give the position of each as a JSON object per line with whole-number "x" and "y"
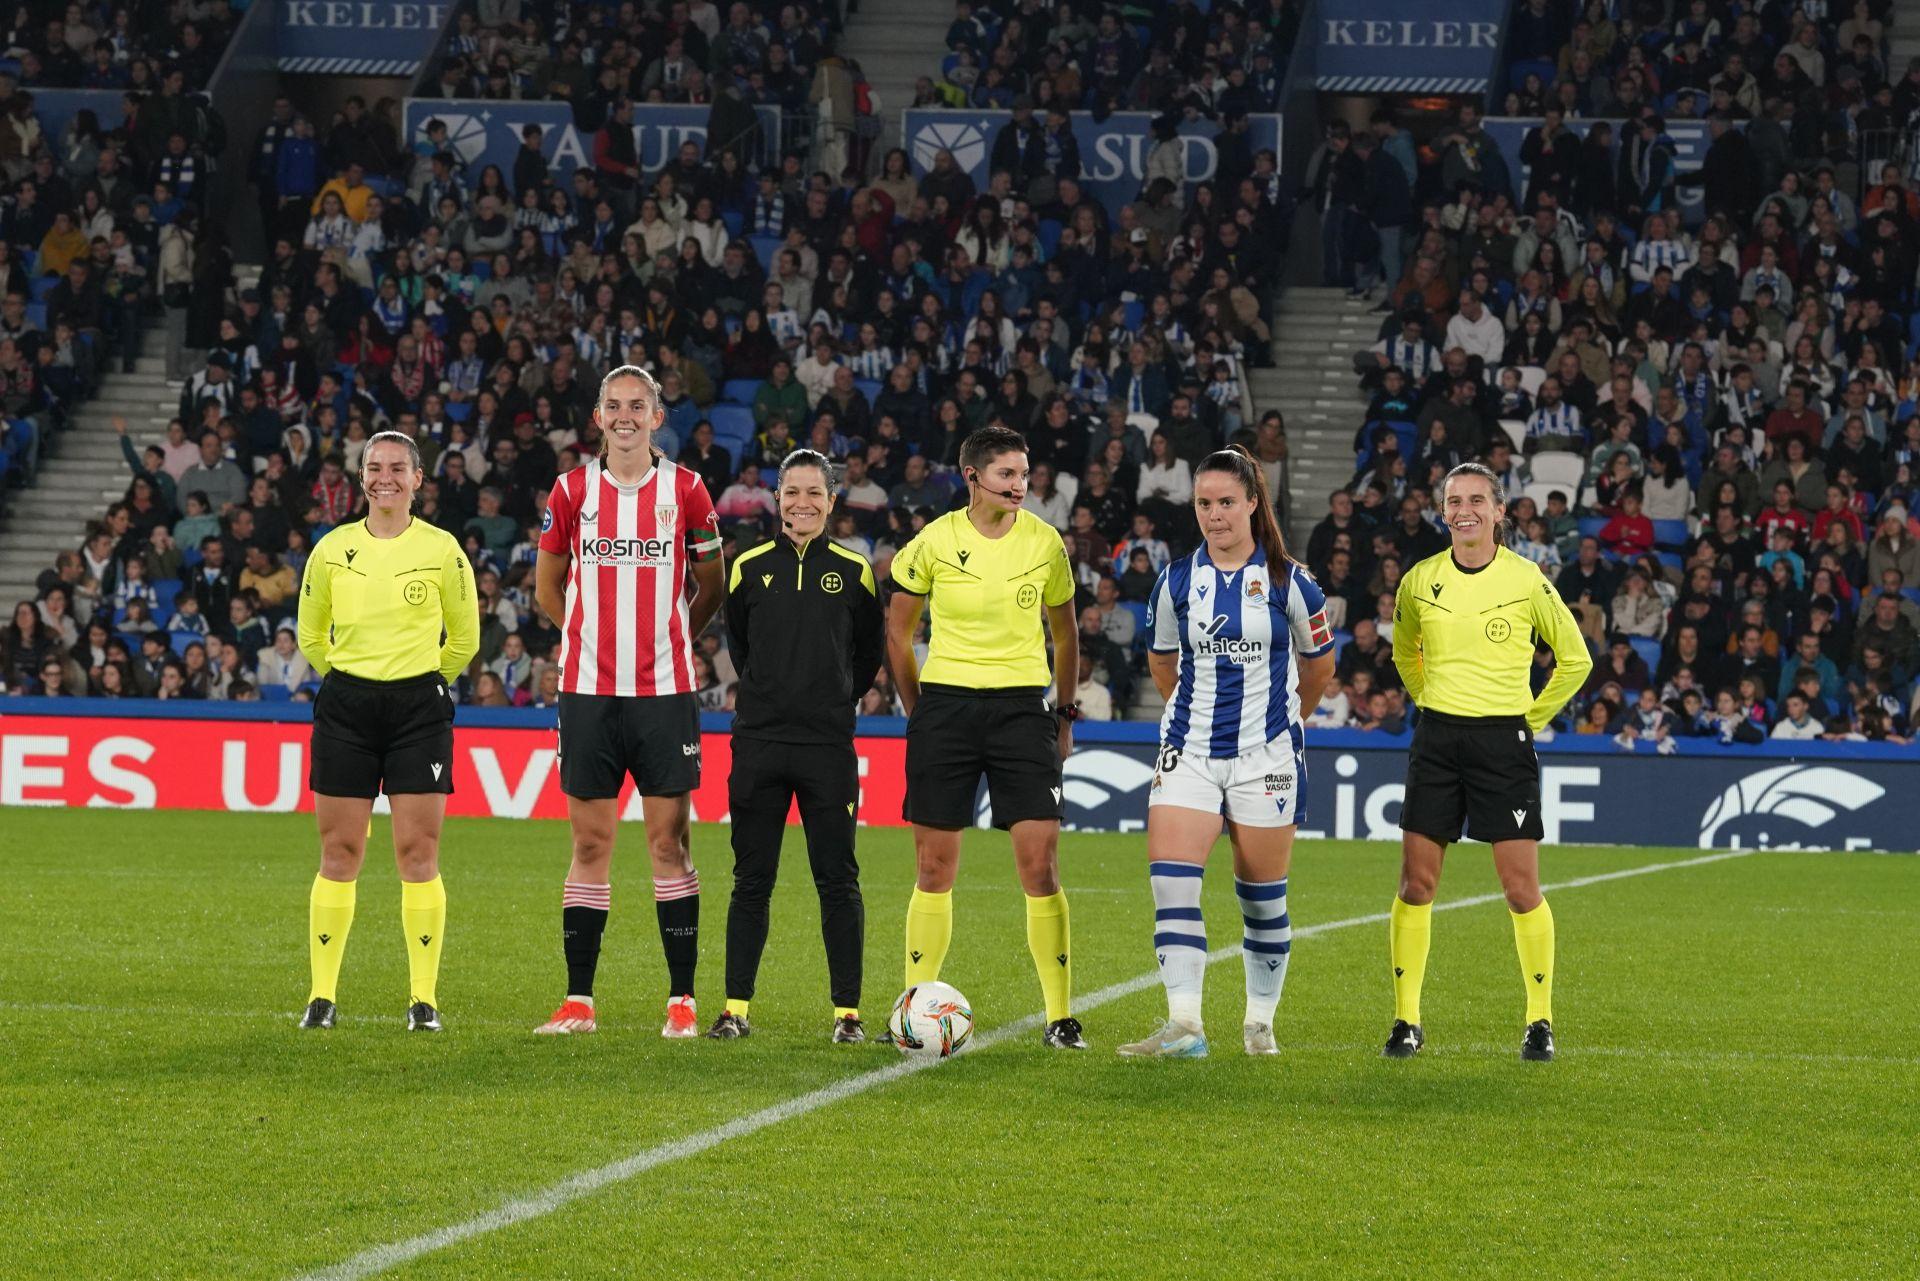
{"x": 1253, "y": 589}
{"x": 546, "y": 520}
{"x": 666, "y": 517}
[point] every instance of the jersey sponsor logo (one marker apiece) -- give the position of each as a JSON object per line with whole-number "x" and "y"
{"x": 1235, "y": 649}
{"x": 648, "y": 553}
{"x": 831, "y": 582}
{"x": 1028, "y": 596}
{"x": 1279, "y": 783}
{"x": 912, "y": 572}
{"x": 415, "y": 592}
{"x": 1498, "y": 630}
{"x": 689, "y": 749}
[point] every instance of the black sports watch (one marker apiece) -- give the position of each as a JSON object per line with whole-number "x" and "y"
{"x": 1069, "y": 712}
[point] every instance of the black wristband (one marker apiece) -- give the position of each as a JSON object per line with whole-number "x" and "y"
{"x": 1068, "y": 712}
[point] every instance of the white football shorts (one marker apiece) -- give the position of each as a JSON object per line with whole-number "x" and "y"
{"x": 1264, "y": 788}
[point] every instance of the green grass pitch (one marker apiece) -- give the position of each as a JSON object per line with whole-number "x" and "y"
{"x": 1735, "y": 1095}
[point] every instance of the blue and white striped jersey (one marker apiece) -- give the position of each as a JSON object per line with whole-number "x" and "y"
{"x": 1238, "y": 635}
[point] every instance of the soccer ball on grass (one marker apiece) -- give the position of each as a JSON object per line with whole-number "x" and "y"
{"x": 931, "y": 1020}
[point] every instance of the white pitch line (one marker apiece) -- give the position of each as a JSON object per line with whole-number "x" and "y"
{"x": 381, "y": 1257}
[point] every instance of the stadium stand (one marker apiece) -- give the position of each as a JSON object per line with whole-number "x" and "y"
{"x": 1668, "y": 398}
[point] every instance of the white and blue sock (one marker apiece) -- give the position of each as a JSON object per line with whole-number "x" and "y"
{"x": 1179, "y": 936}
{"x": 1268, "y": 941}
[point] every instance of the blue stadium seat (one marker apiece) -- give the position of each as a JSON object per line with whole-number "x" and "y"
{"x": 41, "y": 286}
{"x": 731, "y": 420}
{"x": 37, "y": 314}
{"x": 764, "y": 247}
{"x": 180, "y": 641}
{"x": 1518, "y": 72}
{"x": 1669, "y": 533}
{"x": 869, "y": 388}
{"x": 1049, "y": 236}
{"x": 1340, "y": 639}
{"x": 735, "y": 222}
{"x": 274, "y": 692}
{"x": 1673, "y": 560}
{"x": 459, "y": 410}
{"x": 1648, "y": 649}
{"x": 739, "y": 391}
{"x": 1590, "y": 526}
{"x": 1134, "y": 312}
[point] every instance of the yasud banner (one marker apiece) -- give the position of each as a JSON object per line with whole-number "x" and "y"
{"x": 254, "y": 766}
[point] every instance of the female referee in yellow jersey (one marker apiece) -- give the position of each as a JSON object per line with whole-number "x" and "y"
{"x": 1465, "y": 626}
{"x": 388, "y": 616}
{"x": 989, "y": 575}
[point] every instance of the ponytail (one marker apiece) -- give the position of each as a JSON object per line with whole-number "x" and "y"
{"x": 1238, "y": 462}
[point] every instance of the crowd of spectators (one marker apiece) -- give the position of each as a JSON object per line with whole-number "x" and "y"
{"x": 1699, "y": 387}
{"x": 876, "y": 317}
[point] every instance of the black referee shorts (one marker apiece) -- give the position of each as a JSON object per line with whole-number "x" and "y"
{"x": 957, "y": 735}
{"x": 381, "y": 736}
{"x": 1476, "y": 771}
{"x": 604, "y": 738}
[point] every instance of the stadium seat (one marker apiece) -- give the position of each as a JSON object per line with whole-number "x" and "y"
{"x": 1590, "y": 526}
{"x": 1562, "y": 470}
{"x": 37, "y": 314}
{"x": 482, "y": 268}
{"x": 1049, "y": 236}
{"x": 459, "y": 410}
{"x": 739, "y": 391}
{"x": 1669, "y": 533}
{"x": 764, "y": 247}
{"x": 1539, "y": 490}
{"x": 868, "y": 387}
{"x": 731, "y": 420}
{"x": 1531, "y": 376}
{"x": 180, "y": 640}
{"x": 273, "y": 692}
{"x": 1518, "y": 72}
{"x": 1672, "y": 560}
{"x": 1134, "y": 312}
{"x": 1648, "y": 649}
{"x": 41, "y": 286}
{"x": 735, "y": 222}
{"x": 1139, "y": 611}
{"x": 1516, "y": 429}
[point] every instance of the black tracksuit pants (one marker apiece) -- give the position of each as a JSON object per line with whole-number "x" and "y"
{"x": 766, "y": 779}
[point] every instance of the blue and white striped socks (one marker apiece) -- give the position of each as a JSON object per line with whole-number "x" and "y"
{"x": 1269, "y": 939}
{"x": 1179, "y": 936}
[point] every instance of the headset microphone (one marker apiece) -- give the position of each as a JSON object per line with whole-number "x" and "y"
{"x": 997, "y": 493}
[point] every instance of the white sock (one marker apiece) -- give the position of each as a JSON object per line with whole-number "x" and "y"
{"x": 1179, "y": 936}
{"x": 584, "y": 1000}
{"x": 1268, "y": 941}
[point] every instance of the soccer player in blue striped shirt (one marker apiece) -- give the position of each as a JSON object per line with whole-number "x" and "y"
{"x": 1240, "y": 650}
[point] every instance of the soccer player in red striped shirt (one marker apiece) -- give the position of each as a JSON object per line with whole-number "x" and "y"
{"x": 621, "y": 539}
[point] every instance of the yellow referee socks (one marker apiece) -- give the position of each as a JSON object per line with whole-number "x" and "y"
{"x": 929, "y": 931}
{"x": 1533, "y": 939}
{"x": 423, "y": 910}
{"x": 1048, "y": 938}
{"x": 329, "y": 917}
{"x": 1409, "y": 932}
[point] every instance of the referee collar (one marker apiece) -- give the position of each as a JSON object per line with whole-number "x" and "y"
{"x": 1455, "y": 561}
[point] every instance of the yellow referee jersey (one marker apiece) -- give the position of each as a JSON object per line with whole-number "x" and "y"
{"x": 986, "y": 597}
{"x": 376, "y": 607}
{"x": 1464, "y": 639}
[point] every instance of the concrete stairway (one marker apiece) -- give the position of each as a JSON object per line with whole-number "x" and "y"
{"x": 1316, "y": 332}
{"x": 81, "y": 472}
{"x": 896, "y": 42}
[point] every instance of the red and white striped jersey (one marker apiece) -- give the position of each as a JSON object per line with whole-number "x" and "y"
{"x": 627, "y": 629}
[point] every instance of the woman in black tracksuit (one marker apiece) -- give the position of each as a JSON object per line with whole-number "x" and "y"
{"x": 808, "y": 636}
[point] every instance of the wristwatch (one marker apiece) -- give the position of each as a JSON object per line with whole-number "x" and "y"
{"x": 1069, "y": 712}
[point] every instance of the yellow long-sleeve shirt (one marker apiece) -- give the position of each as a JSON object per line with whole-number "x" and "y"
{"x": 377, "y": 607}
{"x": 1463, "y": 640}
